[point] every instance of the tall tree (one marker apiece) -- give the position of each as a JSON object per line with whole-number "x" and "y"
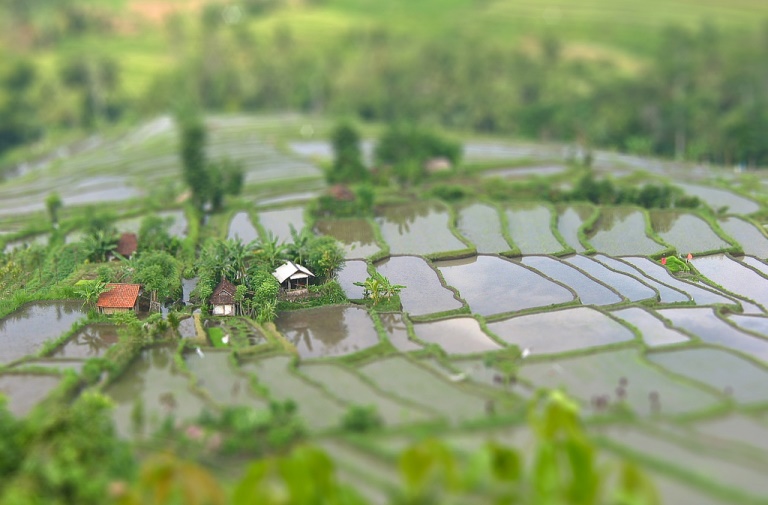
{"x": 192, "y": 151}
{"x": 347, "y": 156}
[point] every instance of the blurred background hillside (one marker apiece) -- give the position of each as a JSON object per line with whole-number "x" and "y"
{"x": 677, "y": 78}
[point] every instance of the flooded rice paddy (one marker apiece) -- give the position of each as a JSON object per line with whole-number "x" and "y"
{"x": 480, "y": 224}
{"x": 351, "y": 272}
{"x": 279, "y": 222}
{"x": 460, "y": 335}
{"x": 418, "y": 228}
{"x": 686, "y": 233}
{"x": 733, "y": 277}
{"x": 589, "y": 290}
{"x": 397, "y": 332}
{"x": 90, "y": 342}
{"x": 530, "y": 229}
{"x": 355, "y": 235}
{"x": 621, "y": 232}
{"x": 493, "y": 285}
{"x": 560, "y": 331}
{"x": 24, "y": 331}
{"x": 241, "y": 228}
{"x": 752, "y": 240}
{"x": 328, "y": 331}
{"x": 24, "y": 391}
{"x": 163, "y": 391}
{"x": 607, "y": 378}
{"x": 424, "y": 293}
{"x": 627, "y": 286}
{"x": 688, "y": 358}
{"x": 569, "y": 221}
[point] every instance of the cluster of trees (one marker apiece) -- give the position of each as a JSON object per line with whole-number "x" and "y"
{"x": 650, "y": 196}
{"x": 249, "y": 267}
{"x": 402, "y": 153}
{"x": 700, "y": 94}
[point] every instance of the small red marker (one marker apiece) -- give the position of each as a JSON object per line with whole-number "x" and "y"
{"x": 664, "y": 260}
{"x": 690, "y": 256}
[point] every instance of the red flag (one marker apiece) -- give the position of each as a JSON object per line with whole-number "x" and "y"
{"x": 664, "y": 260}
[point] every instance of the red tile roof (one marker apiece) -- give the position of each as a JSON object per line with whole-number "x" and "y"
{"x": 119, "y": 296}
{"x": 127, "y": 244}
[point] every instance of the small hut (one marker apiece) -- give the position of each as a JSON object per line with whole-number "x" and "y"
{"x": 223, "y": 299}
{"x": 119, "y": 298}
{"x": 292, "y": 277}
{"x": 127, "y": 245}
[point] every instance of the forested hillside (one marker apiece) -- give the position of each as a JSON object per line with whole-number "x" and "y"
{"x": 680, "y": 79}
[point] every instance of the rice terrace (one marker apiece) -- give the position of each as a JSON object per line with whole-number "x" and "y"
{"x": 336, "y": 295}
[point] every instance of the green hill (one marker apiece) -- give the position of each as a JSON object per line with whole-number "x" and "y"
{"x": 680, "y": 78}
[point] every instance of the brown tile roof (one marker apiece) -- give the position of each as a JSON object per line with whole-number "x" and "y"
{"x": 224, "y": 294}
{"x": 119, "y": 296}
{"x": 127, "y": 244}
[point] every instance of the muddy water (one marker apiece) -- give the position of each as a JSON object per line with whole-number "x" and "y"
{"x": 627, "y": 286}
{"x": 561, "y": 330}
{"x": 686, "y": 233}
{"x": 423, "y": 293}
{"x": 703, "y": 323}
{"x": 492, "y": 285}
{"x": 221, "y": 380}
{"x": 666, "y": 293}
{"x": 279, "y": 222}
{"x": 602, "y": 374}
{"x": 531, "y": 231}
{"x": 721, "y": 370}
{"x": 24, "y": 331}
{"x": 480, "y": 224}
{"x": 418, "y": 228}
{"x": 355, "y": 235}
{"x": 589, "y": 291}
{"x": 653, "y": 330}
{"x": 621, "y": 232}
{"x": 24, "y": 391}
{"x": 734, "y": 277}
{"x": 328, "y": 331}
{"x": 397, "y": 332}
{"x": 163, "y": 391}
{"x": 569, "y": 221}
{"x": 351, "y": 272}
{"x": 90, "y": 342}
{"x": 242, "y": 228}
{"x": 459, "y": 335}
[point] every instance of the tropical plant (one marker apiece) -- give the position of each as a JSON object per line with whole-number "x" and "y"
{"x": 89, "y": 291}
{"x": 99, "y": 243}
{"x": 377, "y": 287}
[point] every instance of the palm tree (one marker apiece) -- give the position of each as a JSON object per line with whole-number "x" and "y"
{"x": 270, "y": 251}
{"x": 90, "y": 291}
{"x": 99, "y": 244}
